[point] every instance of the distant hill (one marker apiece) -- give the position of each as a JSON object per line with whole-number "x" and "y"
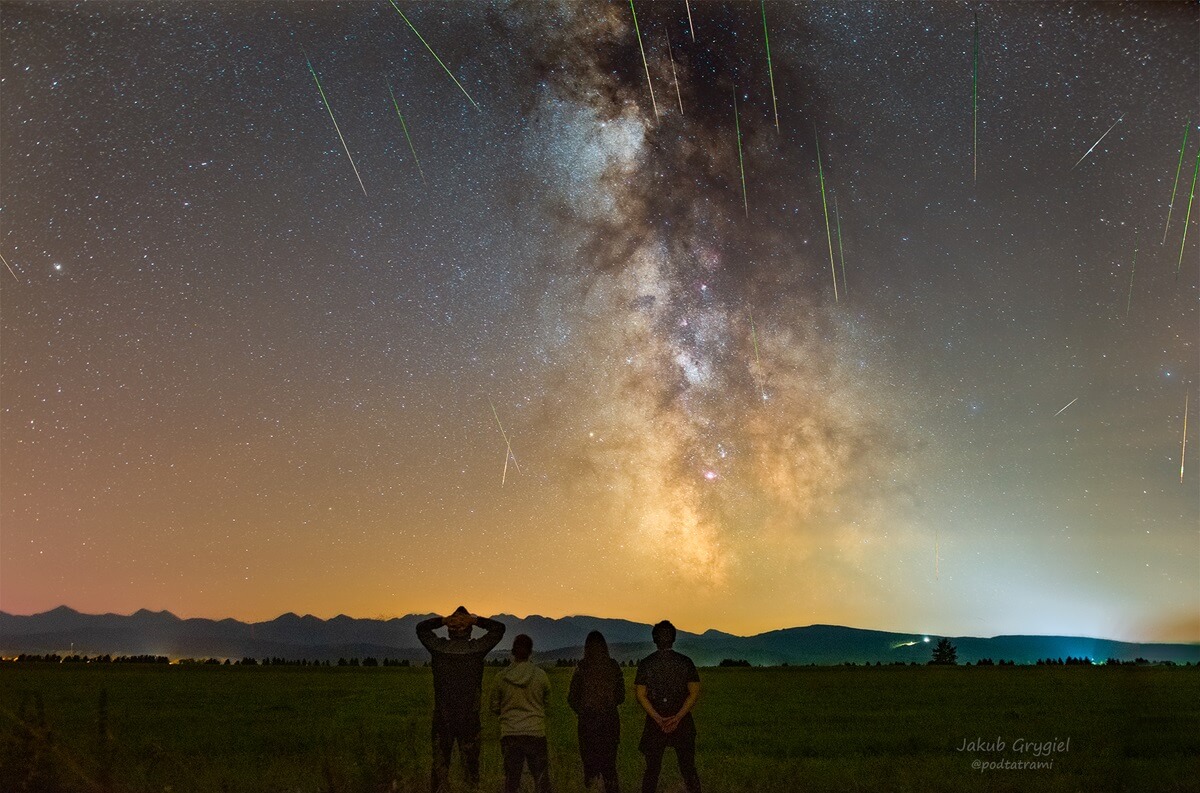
{"x": 290, "y": 636}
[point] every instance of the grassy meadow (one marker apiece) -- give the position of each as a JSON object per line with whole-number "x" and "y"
{"x": 309, "y": 729}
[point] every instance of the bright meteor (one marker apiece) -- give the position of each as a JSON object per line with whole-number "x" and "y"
{"x": 404, "y": 127}
{"x": 1097, "y": 143}
{"x": 346, "y": 148}
{"x": 434, "y": 54}
{"x": 828, "y": 231}
{"x": 671, "y": 56}
{"x": 10, "y": 269}
{"x": 1064, "y": 407}
{"x": 1188, "y": 218}
{"x": 770, "y": 69}
{"x": 645, "y": 65}
{"x": 737, "y": 125}
{"x": 1178, "y": 168}
{"x": 508, "y": 452}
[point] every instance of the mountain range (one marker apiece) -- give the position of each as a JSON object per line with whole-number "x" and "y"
{"x": 290, "y": 636}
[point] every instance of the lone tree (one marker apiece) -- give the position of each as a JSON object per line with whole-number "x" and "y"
{"x": 945, "y": 653}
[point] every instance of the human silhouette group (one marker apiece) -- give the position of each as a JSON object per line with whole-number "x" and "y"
{"x": 666, "y": 686}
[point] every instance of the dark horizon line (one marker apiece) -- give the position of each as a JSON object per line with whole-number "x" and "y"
{"x": 593, "y": 617}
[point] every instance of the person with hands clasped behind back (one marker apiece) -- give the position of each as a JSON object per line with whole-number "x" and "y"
{"x": 667, "y": 686}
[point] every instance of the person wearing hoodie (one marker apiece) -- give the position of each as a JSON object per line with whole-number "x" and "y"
{"x": 457, "y": 686}
{"x": 519, "y": 698}
{"x": 597, "y": 689}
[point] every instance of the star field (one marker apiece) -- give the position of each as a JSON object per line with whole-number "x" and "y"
{"x": 235, "y": 382}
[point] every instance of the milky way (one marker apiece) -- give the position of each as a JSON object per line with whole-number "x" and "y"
{"x": 256, "y": 363}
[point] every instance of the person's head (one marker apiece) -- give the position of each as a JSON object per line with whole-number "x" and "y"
{"x": 663, "y": 634}
{"x": 458, "y": 624}
{"x": 522, "y": 647}
{"x": 595, "y": 649}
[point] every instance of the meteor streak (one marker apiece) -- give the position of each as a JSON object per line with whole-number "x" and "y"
{"x": 770, "y": 69}
{"x": 754, "y": 336}
{"x": 1132, "y": 272}
{"x": 404, "y": 127}
{"x": 10, "y": 269}
{"x": 975, "y": 101}
{"x": 1178, "y": 167}
{"x": 434, "y": 54}
{"x": 1183, "y": 446}
{"x": 1097, "y": 143}
{"x": 508, "y": 452}
{"x": 1072, "y": 402}
{"x": 335, "y": 124}
{"x": 671, "y": 55}
{"x": 825, "y": 206}
{"x": 737, "y": 125}
{"x": 645, "y": 65}
{"x": 688, "y": 4}
{"x": 1188, "y": 219}
{"x": 841, "y": 252}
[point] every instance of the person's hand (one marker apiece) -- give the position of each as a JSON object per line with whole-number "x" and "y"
{"x": 669, "y": 724}
{"x": 659, "y": 720}
{"x": 458, "y": 622}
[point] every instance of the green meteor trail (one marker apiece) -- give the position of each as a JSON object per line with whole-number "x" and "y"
{"x": 841, "y": 253}
{"x": 645, "y": 65}
{"x": 346, "y": 148}
{"x": 434, "y": 54}
{"x": 737, "y": 125}
{"x": 1183, "y": 446}
{"x": 1132, "y": 272}
{"x": 404, "y": 127}
{"x": 1186, "y": 220}
{"x": 1178, "y": 167}
{"x": 825, "y": 206}
{"x": 975, "y": 101}
{"x": 770, "y": 69}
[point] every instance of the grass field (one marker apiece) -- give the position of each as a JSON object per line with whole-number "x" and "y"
{"x": 197, "y": 728}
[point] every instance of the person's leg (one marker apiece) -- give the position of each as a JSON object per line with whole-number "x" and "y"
{"x": 443, "y": 745}
{"x": 539, "y": 764}
{"x": 469, "y": 742}
{"x": 685, "y": 752}
{"x": 514, "y": 762}
{"x": 608, "y": 772}
{"x": 654, "y": 758}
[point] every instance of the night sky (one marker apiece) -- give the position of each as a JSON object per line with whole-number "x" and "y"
{"x": 237, "y": 382}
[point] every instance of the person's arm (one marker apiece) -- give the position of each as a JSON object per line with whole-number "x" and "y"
{"x": 425, "y": 629}
{"x": 619, "y": 680}
{"x": 495, "y": 632}
{"x": 642, "y": 698}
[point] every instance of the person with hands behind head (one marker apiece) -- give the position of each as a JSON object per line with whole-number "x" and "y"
{"x": 457, "y": 683}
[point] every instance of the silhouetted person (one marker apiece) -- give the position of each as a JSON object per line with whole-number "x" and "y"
{"x": 597, "y": 689}
{"x": 667, "y": 686}
{"x": 519, "y": 698}
{"x": 457, "y": 680}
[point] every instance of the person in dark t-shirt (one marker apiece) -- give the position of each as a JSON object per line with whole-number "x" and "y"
{"x": 457, "y": 683}
{"x": 667, "y": 686}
